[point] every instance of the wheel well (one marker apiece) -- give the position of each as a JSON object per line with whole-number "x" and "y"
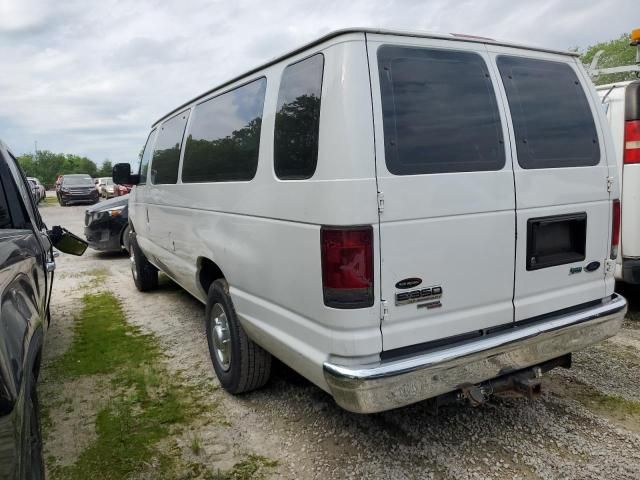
{"x": 124, "y": 229}
{"x": 208, "y": 272}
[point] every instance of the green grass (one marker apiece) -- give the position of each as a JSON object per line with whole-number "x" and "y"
{"x": 50, "y": 200}
{"x": 103, "y": 342}
{"x": 254, "y": 467}
{"x": 612, "y": 403}
{"x": 147, "y": 404}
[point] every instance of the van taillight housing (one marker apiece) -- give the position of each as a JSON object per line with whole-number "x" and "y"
{"x": 347, "y": 266}
{"x": 632, "y": 141}
{"x": 615, "y": 229}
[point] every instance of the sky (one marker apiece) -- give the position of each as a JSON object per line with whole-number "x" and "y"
{"x": 90, "y": 77}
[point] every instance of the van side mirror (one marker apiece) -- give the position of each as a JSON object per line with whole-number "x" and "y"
{"x": 67, "y": 242}
{"x": 121, "y": 174}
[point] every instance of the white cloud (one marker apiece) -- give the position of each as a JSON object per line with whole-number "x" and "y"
{"x": 89, "y": 77}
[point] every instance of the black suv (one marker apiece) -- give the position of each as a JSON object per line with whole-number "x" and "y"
{"x": 76, "y": 188}
{"x": 26, "y": 276}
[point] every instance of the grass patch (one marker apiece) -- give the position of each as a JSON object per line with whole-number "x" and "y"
{"x": 615, "y": 408}
{"x": 50, "y": 200}
{"x": 104, "y": 343}
{"x": 147, "y": 403}
{"x": 254, "y": 467}
{"x": 611, "y": 403}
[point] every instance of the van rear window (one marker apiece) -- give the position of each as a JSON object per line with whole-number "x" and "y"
{"x": 166, "y": 155}
{"x": 224, "y": 136}
{"x": 552, "y": 121}
{"x": 440, "y": 112}
{"x": 295, "y": 142}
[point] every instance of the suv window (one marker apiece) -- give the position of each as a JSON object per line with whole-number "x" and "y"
{"x": 224, "y": 136}
{"x": 552, "y": 121}
{"x": 146, "y": 156}
{"x": 440, "y": 112}
{"x": 166, "y": 155}
{"x": 295, "y": 143}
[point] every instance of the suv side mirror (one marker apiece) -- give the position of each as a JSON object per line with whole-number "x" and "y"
{"x": 122, "y": 174}
{"x": 67, "y": 242}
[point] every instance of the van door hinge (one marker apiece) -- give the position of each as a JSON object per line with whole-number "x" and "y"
{"x": 384, "y": 310}
{"x": 609, "y": 183}
{"x": 380, "y": 202}
{"x": 610, "y": 267}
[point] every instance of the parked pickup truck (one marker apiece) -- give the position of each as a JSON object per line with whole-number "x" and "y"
{"x": 396, "y": 215}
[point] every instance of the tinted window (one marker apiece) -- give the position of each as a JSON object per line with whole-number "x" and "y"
{"x": 166, "y": 155}
{"x": 298, "y": 119}
{"x": 77, "y": 180}
{"x": 224, "y": 136}
{"x": 440, "y": 112}
{"x": 552, "y": 121}
{"x": 146, "y": 156}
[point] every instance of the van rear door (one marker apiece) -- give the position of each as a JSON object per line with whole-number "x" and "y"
{"x": 446, "y": 193}
{"x": 563, "y": 206}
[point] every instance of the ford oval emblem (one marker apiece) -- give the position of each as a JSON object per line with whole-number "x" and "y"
{"x": 592, "y": 267}
{"x": 409, "y": 283}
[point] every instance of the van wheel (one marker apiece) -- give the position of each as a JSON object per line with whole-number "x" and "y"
{"x": 145, "y": 275}
{"x": 240, "y": 364}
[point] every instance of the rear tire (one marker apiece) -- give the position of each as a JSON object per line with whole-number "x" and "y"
{"x": 145, "y": 275}
{"x": 240, "y": 364}
{"x": 34, "y": 465}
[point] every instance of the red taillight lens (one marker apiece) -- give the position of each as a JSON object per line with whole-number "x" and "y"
{"x": 632, "y": 141}
{"x": 347, "y": 266}
{"x": 615, "y": 229}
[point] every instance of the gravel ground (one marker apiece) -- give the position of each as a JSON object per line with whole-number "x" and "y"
{"x": 566, "y": 434}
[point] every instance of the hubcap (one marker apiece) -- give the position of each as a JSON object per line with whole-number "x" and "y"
{"x": 221, "y": 336}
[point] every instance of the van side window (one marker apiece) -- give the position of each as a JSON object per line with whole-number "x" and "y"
{"x": 166, "y": 155}
{"x": 146, "y": 156}
{"x": 440, "y": 112}
{"x": 298, "y": 119}
{"x": 224, "y": 136}
{"x": 552, "y": 121}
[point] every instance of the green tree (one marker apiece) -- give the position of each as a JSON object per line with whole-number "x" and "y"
{"x": 106, "y": 169}
{"x": 48, "y": 165}
{"x": 616, "y": 53}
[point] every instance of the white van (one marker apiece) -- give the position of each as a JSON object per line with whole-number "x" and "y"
{"x": 396, "y": 216}
{"x": 622, "y": 105}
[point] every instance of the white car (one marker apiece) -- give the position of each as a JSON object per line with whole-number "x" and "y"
{"x": 41, "y": 191}
{"x": 396, "y": 216}
{"x": 105, "y": 187}
{"x": 622, "y": 105}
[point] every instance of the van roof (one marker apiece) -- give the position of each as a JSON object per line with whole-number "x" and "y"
{"x": 344, "y": 31}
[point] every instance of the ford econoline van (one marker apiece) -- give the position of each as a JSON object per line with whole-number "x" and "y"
{"x": 396, "y": 216}
{"x": 622, "y": 105}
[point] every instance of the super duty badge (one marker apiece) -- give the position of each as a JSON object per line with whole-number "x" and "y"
{"x": 419, "y": 295}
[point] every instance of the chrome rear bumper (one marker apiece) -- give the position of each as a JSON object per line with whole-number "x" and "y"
{"x": 391, "y": 384}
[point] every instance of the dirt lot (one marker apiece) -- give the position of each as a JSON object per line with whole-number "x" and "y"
{"x": 586, "y": 425}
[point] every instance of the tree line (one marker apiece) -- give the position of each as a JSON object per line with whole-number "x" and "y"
{"x": 616, "y": 53}
{"x": 46, "y": 165}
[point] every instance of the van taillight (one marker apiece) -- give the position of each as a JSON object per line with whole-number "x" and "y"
{"x": 347, "y": 266}
{"x": 615, "y": 229}
{"x": 632, "y": 141}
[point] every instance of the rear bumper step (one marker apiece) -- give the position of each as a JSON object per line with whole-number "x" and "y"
{"x": 396, "y": 383}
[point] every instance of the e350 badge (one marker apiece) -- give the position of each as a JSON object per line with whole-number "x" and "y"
{"x": 420, "y": 295}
